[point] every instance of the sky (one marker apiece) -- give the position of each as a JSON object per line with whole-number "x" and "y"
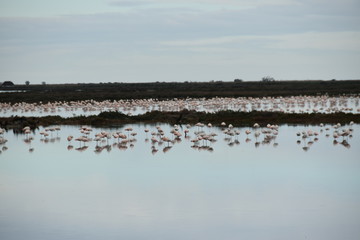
{"x": 85, "y": 41}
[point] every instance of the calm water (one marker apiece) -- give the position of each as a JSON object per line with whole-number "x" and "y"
{"x": 235, "y": 191}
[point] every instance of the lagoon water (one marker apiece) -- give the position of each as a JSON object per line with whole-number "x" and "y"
{"x": 236, "y": 191}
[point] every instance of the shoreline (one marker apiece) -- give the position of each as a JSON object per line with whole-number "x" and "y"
{"x": 237, "y": 119}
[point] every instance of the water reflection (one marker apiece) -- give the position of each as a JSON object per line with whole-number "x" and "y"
{"x": 341, "y": 135}
{"x": 256, "y": 184}
{"x": 197, "y": 137}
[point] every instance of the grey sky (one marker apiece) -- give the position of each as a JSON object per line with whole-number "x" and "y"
{"x": 158, "y": 40}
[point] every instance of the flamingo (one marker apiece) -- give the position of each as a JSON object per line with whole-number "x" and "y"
{"x": 186, "y": 131}
{"x": 146, "y": 132}
{"x": 27, "y": 131}
{"x": 256, "y": 134}
{"x": 153, "y": 150}
{"x": 129, "y": 129}
{"x": 166, "y": 139}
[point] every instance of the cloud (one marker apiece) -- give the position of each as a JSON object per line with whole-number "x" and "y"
{"x": 224, "y": 2}
{"x": 349, "y": 41}
{"x": 193, "y": 39}
{"x": 127, "y": 3}
{"x": 202, "y": 4}
{"x": 208, "y": 41}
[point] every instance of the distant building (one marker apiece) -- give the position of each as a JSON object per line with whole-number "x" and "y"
{"x": 7, "y": 84}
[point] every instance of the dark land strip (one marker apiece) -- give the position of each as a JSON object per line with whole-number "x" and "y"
{"x": 168, "y": 90}
{"x": 240, "y": 119}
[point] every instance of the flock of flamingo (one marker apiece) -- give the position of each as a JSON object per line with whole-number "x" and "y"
{"x": 202, "y": 136}
{"x": 292, "y": 104}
